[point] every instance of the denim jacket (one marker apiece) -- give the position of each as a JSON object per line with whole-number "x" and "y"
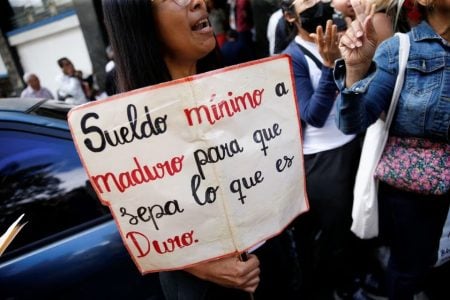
{"x": 423, "y": 109}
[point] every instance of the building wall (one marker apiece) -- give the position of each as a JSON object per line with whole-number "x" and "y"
{"x": 3, "y": 71}
{"x": 39, "y": 46}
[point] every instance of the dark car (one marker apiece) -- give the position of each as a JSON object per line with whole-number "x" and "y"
{"x": 70, "y": 248}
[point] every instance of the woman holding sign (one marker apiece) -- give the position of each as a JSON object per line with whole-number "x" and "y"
{"x": 331, "y": 158}
{"x": 156, "y": 41}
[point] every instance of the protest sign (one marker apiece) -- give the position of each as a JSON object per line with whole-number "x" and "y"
{"x": 197, "y": 168}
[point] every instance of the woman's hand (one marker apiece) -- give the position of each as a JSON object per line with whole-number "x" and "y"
{"x": 359, "y": 42}
{"x": 327, "y": 43}
{"x": 230, "y": 272}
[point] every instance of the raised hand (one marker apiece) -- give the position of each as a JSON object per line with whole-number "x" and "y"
{"x": 359, "y": 42}
{"x": 230, "y": 272}
{"x": 327, "y": 43}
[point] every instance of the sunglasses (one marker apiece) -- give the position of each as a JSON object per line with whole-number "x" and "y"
{"x": 181, "y": 3}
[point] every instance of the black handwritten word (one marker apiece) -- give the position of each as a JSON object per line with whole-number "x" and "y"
{"x": 225, "y": 108}
{"x": 123, "y": 134}
{"x": 215, "y": 154}
{"x": 152, "y": 213}
{"x": 283, "y": 163}
{"x": 139, "y": 175}
{"x": 236, "y": 185}
{"x": 281, "y": 90}
{"x": 265, "y": 135}
{"x": 210, "y": 192}
{"x": 143, "y": 243}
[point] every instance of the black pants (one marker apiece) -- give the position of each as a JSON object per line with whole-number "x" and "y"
{"x": 411, "y": 224}
{"x": 276, "y": 276}
{"x": 325, "y": 244}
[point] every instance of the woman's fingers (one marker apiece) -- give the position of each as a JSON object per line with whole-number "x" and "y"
{"x": 370, "y": 9}
{"x": 230, "y": 272}
{"x": 348, "y": 22}
{"x": 357, "y": 29}
{"x": 334, "y": 36}
{"x": 359, "y": 7}
{"x": 327, "y": 43}
{"x": 371, "y": 33}
{"x": 319, "y": 35}
{"x": 251, "y": 280}
{"x": 351, "y": 38}
{"x": 328, "y": 31}
{"x": 250, "y": 274}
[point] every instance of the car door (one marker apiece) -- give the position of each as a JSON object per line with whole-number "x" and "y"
{"x": 70, "y": 247}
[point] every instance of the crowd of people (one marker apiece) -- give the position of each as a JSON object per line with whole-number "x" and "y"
{"x": 72, "y": 86}
{"x": 245, "y": 30}
{"x": 344, "y": 58}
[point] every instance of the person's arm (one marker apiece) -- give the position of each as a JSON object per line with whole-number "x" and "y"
{"x": 357, "y": 46}
{"x": 361, "y": 103}
{"x": 359, "y": 42}
{"x": 230, "y": 272}
{"x": 314, "y": 105}
{"x": 49, "y": 94}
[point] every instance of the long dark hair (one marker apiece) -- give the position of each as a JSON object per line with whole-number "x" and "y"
{"x": 136, "y": 45}
{"x": 290, "y": 30}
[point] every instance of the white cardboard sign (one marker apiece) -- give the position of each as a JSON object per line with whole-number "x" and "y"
{"x": 197, "y": 168}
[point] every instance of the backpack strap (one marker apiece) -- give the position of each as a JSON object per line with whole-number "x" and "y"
{"x": 310, "y": 55}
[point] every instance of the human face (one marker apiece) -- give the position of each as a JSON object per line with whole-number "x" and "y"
{"x": 34, "y": 83}
{"x": 68, "y": 68}
{"x": 184, "y": 29}
{"x": 182, "y": 3}
{"x": 314, "y": 13}
{"x": 438, "y": 16}
{"x": 344, "y": 7}
{"x": 302, "y": 5}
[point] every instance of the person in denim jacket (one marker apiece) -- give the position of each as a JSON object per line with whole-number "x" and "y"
{"x": 411, "y": 223}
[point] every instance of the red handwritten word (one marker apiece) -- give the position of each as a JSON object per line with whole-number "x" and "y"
{"x": 144, "y": 245}
{"x": 139, "y": 175}
{"x": 225, "y": 108}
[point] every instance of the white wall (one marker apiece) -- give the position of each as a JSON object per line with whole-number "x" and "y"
{"x": 3, "y": 71}
{"x": 39, "y": 49}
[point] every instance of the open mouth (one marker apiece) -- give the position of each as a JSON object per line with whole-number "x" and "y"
{"x": 204, "y": 23}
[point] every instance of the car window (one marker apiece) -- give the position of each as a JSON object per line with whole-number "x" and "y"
{"x": 41, "y": 176}
{"x": 51, "y": 113}
{"x": 52, "y": 109}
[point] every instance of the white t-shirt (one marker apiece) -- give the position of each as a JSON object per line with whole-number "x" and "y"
{"x": 70, "y": 87}
{"x": 272, "y": 28}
